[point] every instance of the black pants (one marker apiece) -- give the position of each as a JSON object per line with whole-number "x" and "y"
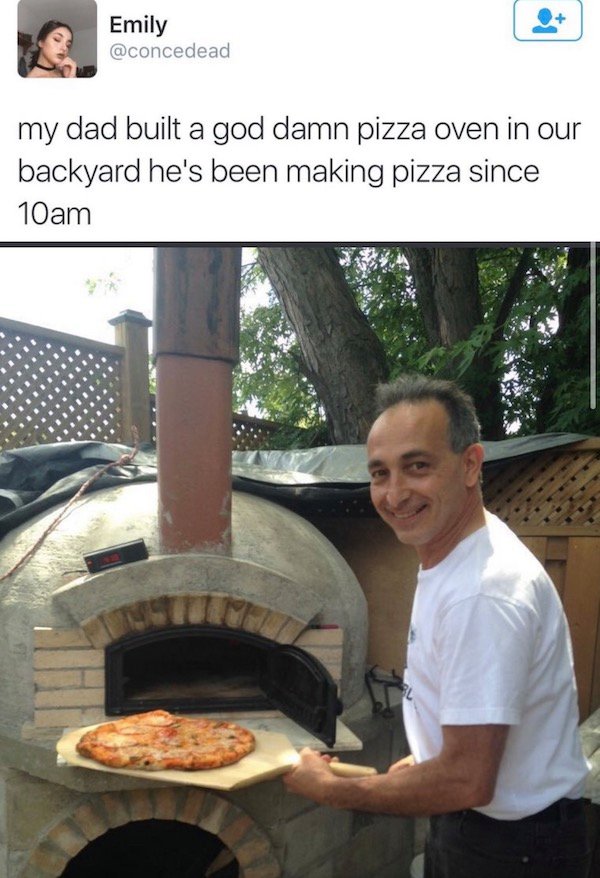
{"x": 551, "y": 844}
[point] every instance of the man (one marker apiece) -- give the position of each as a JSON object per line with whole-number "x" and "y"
{"x": 491, "y": 710}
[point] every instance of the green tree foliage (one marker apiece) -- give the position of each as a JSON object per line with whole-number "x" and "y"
{"x": 269, "y": 380}
{"x": 532, "y": 341}
{"x": 105, "y": 285}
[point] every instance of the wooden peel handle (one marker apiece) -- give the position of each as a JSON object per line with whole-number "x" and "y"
{"x": 347, "y": 769}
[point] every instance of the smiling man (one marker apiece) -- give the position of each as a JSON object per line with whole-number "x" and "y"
{"x": 492, "y": 719}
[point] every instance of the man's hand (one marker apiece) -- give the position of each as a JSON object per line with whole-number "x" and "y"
{"x": 406, "y": 762}
{"x": 311, "y": 777}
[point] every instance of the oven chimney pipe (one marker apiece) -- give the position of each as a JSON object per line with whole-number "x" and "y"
{"x": 196, "y": 344}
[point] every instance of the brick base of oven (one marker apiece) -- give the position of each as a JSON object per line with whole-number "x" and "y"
{"x": 272, "y": 834}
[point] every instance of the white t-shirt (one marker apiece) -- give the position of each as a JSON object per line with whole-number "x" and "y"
{"x": 489, "y": 644}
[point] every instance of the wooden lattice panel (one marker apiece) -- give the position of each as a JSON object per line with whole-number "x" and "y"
{"x": 250, "y": 434}
{"x": 56, "y": 388}
{"x": 559, "y": 487}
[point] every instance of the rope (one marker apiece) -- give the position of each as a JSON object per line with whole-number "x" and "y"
{"x": 124, "y": 460}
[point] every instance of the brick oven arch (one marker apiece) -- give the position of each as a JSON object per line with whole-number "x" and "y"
{"x": 212, "y": 608}
{"x": 207, "y": 810}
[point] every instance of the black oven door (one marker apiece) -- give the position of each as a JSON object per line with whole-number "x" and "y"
{"x": 303, "y": 689}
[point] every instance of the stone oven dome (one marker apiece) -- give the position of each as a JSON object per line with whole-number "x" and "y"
{"x": 278, "y": 560}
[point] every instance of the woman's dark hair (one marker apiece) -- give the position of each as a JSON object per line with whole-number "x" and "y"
{"x": 46, "y": 29}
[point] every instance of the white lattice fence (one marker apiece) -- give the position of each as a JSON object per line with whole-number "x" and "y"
{"x": 56, "y": 387}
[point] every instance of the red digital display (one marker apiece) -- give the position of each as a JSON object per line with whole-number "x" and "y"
{"x": 113, "y": 556}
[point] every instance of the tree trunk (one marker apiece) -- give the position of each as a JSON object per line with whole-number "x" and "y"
{"x": 342, "y": 356}
{"x": 573, "y": 355}
{"x": 447, "y": 291}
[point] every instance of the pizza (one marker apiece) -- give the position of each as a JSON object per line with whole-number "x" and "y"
{"x": 158, "y": 739}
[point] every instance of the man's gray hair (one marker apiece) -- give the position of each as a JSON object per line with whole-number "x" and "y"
{"x": 464, "y": 429}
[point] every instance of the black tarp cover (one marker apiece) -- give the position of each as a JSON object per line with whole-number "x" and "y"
{"x": 309, "y": 481}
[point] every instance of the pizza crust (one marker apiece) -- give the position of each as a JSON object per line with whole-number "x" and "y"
{"x": 160, "y": 740}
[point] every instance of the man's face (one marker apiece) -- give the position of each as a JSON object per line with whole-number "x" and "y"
{"x": 424, "y": 491}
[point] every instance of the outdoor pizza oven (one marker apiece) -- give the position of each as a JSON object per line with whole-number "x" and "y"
{"x": 254, "y": 615}
{"x": 279, "y": 624}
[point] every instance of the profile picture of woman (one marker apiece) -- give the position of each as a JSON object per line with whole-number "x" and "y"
{"x": 57, "y": 39}
{"x": 51, "y": 56}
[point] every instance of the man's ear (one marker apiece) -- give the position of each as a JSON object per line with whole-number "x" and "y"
{"x": 473, "y": 462}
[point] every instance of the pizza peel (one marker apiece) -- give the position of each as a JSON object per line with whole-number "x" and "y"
{"x": 273, "y": 755}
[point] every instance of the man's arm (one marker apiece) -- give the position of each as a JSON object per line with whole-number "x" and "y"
{"x": 462, "y": 776}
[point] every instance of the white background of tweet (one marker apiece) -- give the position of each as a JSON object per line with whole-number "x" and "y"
{"x": 346, "y": 61}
